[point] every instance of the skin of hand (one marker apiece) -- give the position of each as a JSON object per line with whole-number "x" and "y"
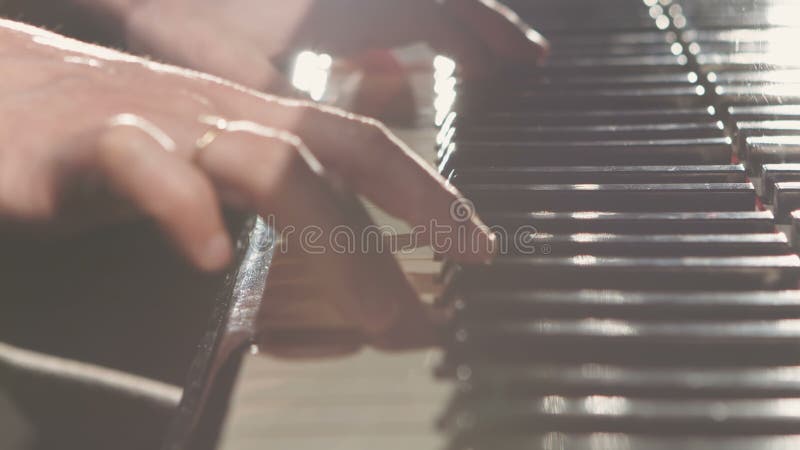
{"x": 74, "y": 112}
{"x": 243, "y": 40}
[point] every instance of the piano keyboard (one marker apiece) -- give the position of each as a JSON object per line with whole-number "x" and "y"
{"x": 653, "y": 162}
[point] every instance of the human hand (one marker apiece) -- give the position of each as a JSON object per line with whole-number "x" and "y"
{"x": 243, "y": 40}
{"x": 177, "y": 145}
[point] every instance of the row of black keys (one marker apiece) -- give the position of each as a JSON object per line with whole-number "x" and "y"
{"x": 668, "y": 320}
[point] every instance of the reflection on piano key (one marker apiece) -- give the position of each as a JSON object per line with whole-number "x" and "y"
{"x": 616, "y": 441}
{"x": 501, "y": 133}
{"x": 509, "y": 304}
{"x": 629, "y": 380}
{"x": 613, "y": 197}
{"x": 796, "y": 230}
{"x": 635, "y": 223}
{"x": 599, "y": 174}
{"x": 626, "y": 341}
{"x": 717, "y": 151}
{"x": 685, "y": 274}
{"x": 660, "y": 245}
{"x": 516, "y": 415}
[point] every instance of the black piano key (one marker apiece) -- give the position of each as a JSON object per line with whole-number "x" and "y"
{"x": 762, "y": 128}
{"x": 772, "y": 150}
{"x": 685, "y": 342}
{"x": 613, "y": 197}
{"x": 720, "y": 222}
{"x": 568, "y": 81}
{"x": 617, "y": 64}
{"x": 554, "y": 19}
{"x": 774, "y": 173}
{"x": 627, "y": 80}
{"x": 615, "y": 441}
{"x": 563, "y": 49}
{"x": 509, "y": 304}
{"x": 511, "y": 415}
{"x": 583, "y": 38}
{"x": 603, "y": 379}
{"x": 689, "y": 95}
{"x": 785, "y": 200}
{"x": 575, "y": 97}
{"x": 717, "y": 151}
{"x": 651, "y": 274}
{"x": 587, "y": 117}
{"x": 796, "y": 230}
{"x": 601, "y": 174}
{"x": 654, "y": 245}
{"x": 557, "y": 24}
{"x": 505, "y": 133}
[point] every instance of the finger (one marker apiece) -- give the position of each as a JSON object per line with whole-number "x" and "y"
{"x": 212, "y": 51}
{"x": 258, "y": 73}
{"x": 385, "y": 90}
{"x": 175, "y": 194}
{"x": 416, "y": 330}
{"x": 375, "y": 163}
{"x": 449, "y": 37}
{"x": 302, "y": 344}
{"x": 388, "y": 24}
{"x": 279, "y": 179}
{"x": 311, "y": 351}
{"x": 503, "y": 32}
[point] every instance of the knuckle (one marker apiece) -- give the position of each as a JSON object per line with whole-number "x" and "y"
{"x": 34, "y": 205}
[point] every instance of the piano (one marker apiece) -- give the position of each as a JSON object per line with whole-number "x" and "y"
{"x": 645, "y": 183}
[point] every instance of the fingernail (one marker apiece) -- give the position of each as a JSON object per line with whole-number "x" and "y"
{"x": 217, "y": 253}
{"x": 487, "y": 243}
{"x": 490, "y": 250}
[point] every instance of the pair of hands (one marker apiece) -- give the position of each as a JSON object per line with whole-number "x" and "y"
{"x": 77, "y": 115}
